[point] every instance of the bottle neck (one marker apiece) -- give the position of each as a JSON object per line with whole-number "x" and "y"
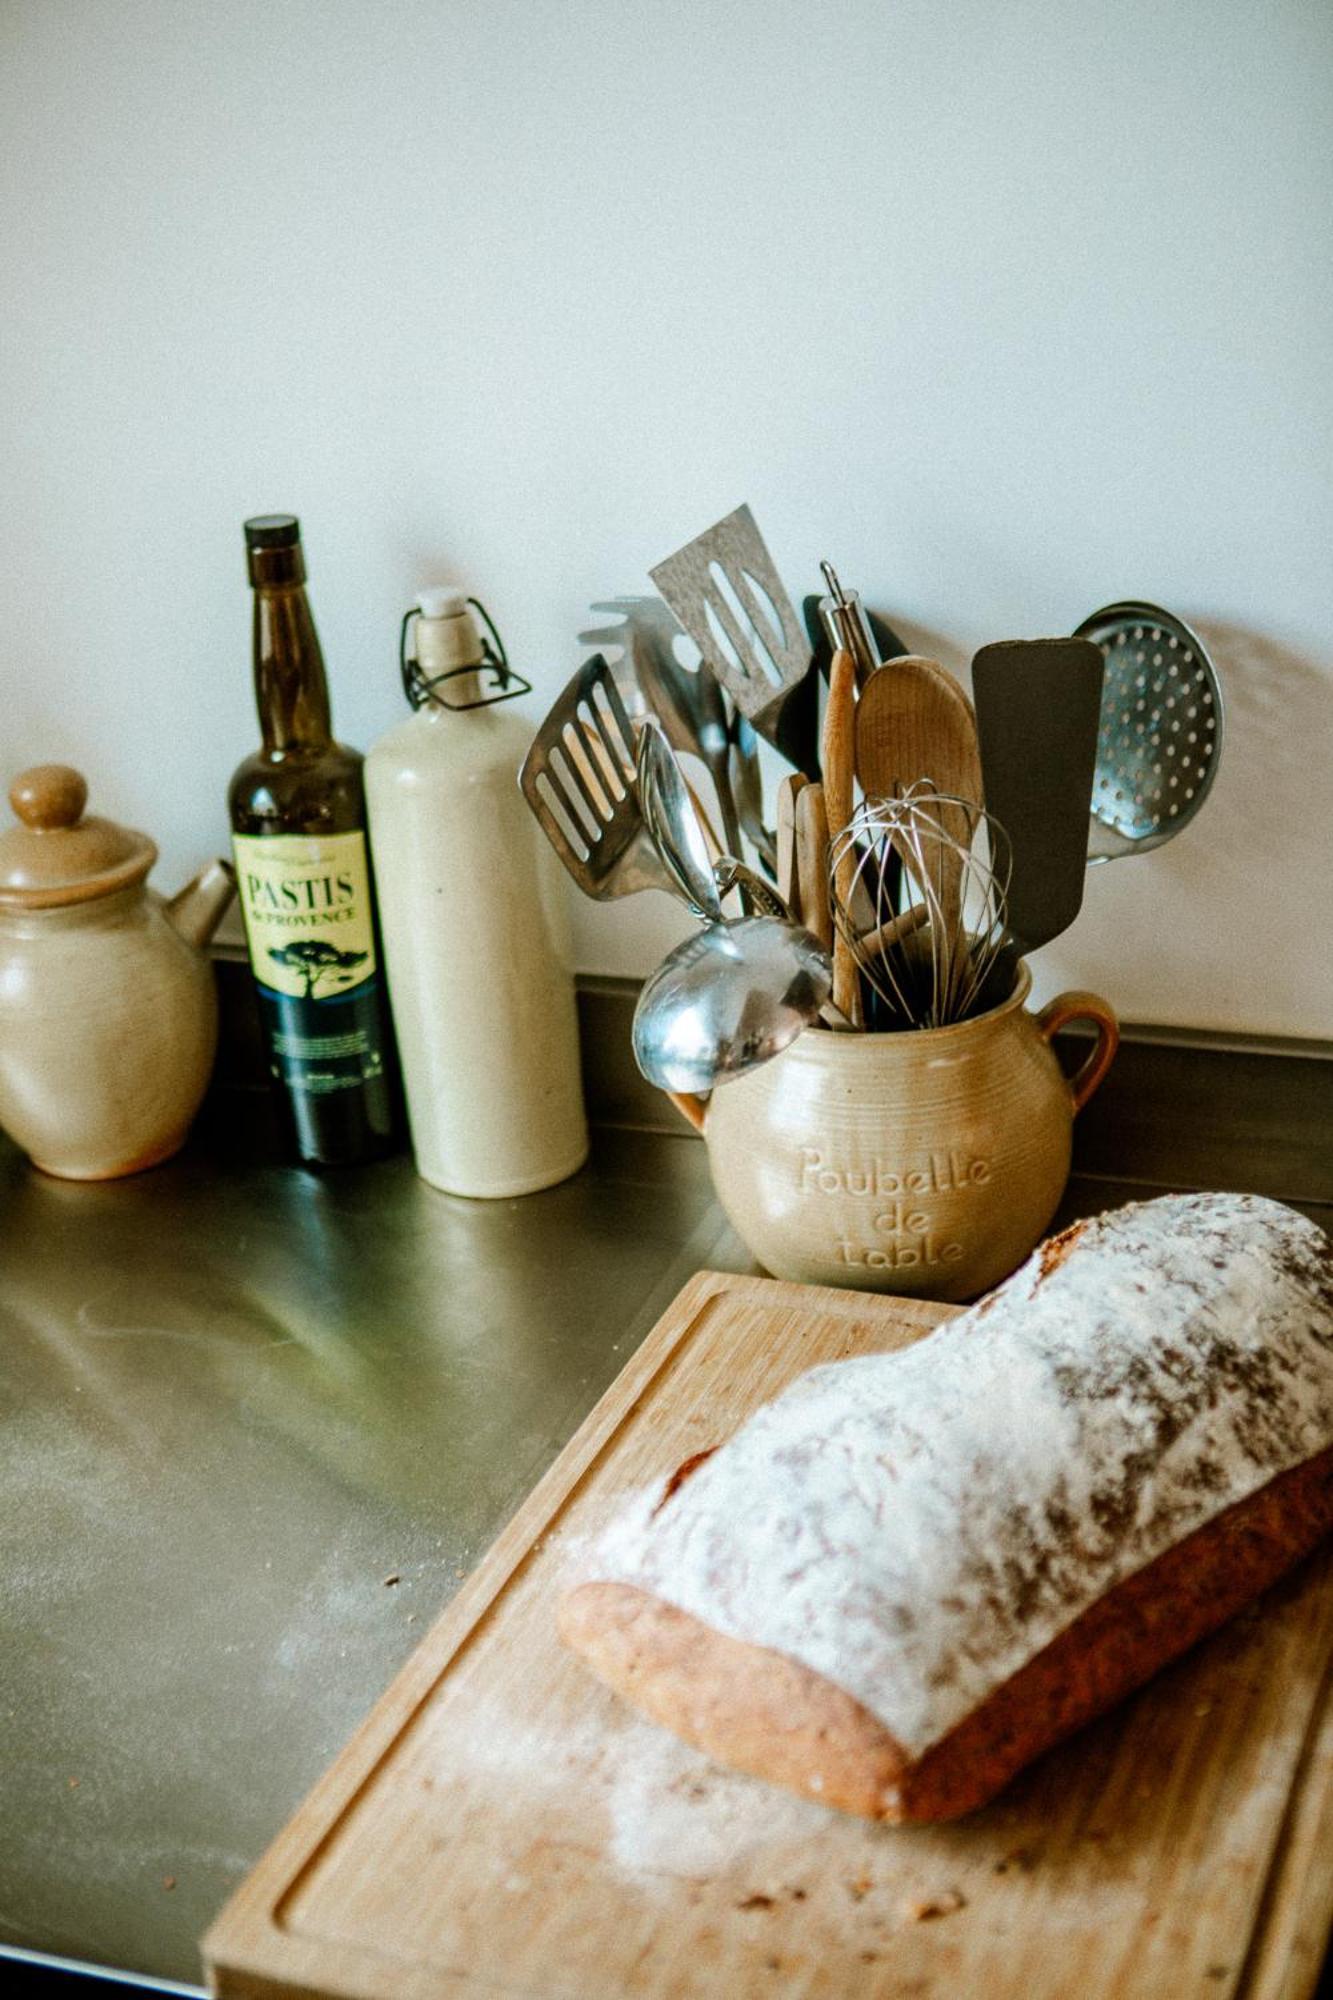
{"x": 445, "y": 644}
{"x": 291, "y": 692}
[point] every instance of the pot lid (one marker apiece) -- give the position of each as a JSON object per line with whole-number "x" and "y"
{"x": 56, "y": 855}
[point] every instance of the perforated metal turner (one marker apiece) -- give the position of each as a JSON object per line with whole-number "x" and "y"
{"x": 727, "y": 594}
{"x": 579, "y": 779}
{"x": 1160, "y": 738}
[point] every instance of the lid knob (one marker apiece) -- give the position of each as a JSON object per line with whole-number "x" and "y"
{"x": 48, "y": 796}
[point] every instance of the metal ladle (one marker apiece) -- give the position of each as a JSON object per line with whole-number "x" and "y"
{"x": 674, "y": 827}
{"x": 736, "y": 994}
{"x": 684, "y": 839}
{"x": 728, "y": 999}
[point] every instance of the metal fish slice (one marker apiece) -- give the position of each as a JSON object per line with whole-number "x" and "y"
{"x": 579, "y": 779}
{"x": 727, "y": 594}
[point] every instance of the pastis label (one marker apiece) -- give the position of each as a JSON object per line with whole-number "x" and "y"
{"x": 306, "y": 900}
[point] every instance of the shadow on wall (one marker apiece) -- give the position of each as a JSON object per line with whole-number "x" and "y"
{"x": 1222, "y": 928}
{"x": 931, "y": 645}
{"x": 1277, "y": 752}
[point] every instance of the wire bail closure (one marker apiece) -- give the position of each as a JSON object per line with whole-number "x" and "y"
{"x": 506, "y": 683}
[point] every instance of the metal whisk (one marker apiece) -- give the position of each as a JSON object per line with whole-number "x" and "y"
{"x": 938, "y": 925}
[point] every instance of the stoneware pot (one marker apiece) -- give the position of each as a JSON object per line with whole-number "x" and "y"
{"x": 108, "y": 1010}
{"x": 925, "y": 1162}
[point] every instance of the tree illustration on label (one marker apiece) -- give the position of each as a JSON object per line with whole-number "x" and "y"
{"x": 312, "y": 961}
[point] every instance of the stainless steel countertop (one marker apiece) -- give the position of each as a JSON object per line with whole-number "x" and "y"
{"x": 236, "y": 1401}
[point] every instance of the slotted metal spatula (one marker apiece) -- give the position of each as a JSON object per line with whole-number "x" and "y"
{"x": 579, "y": 779}
{"x": 727, "y": 594}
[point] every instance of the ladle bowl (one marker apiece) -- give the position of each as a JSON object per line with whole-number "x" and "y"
{"x": 728, "y": 999}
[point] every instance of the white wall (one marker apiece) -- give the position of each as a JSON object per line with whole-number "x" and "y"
{"x": 1010, "y": 309}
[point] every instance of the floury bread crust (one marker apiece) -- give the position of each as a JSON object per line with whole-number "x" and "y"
{"x": 912, "y": 1572}
{"x": 762, "y": 1713}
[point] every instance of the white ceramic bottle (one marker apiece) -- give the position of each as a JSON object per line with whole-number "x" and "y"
{"x": 475, "y": 926}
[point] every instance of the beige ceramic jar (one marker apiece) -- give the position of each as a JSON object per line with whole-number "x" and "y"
{"x": 926, "y": 1163}
{"x": 108, "y": 1013}
{"x": 476, "y": 932}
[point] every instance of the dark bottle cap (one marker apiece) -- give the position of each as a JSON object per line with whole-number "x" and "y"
{"x": 272, "y": 531}
{"x": 273, "y": 551}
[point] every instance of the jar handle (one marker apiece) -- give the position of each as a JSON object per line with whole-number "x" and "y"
{"x": 694, "y": 1110}
{"x": 1077, "y": 1006}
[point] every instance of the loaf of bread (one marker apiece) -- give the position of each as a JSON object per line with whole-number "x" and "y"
{"x": 912, "y": 1572}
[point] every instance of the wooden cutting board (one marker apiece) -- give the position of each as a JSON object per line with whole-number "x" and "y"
{"x": 502, "y": 1826}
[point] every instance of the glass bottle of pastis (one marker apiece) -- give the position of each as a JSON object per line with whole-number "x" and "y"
{"x": 298, "y": 821}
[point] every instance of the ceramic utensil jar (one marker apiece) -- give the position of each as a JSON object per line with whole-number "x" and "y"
{"x": 108, "y": 1011}
{"x": 927, "y": 1162}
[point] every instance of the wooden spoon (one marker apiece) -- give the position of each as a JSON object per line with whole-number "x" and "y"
{"x": 914, "y": 721}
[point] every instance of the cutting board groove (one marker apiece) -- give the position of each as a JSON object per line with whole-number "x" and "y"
{"x": 502, "y": 1826}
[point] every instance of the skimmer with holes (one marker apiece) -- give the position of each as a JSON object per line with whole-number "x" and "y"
{"x": 726, "y": 592}
{"x": 1160, "y": 735}
{"x": 579, "y": 779}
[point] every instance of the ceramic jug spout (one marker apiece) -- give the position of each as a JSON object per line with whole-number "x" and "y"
{"x": 199, "y": 907}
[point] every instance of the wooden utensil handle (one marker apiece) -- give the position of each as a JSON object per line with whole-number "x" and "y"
{"x": 894, "y": 931}
{"x": 694, "y": 1110}
{"x": 839, "y": 770}
{"x": 812, "y": 863}
{"x": 786, "y": 842}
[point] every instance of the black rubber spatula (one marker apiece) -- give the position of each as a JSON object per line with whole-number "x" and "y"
{"x": 1038, "y": 704}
